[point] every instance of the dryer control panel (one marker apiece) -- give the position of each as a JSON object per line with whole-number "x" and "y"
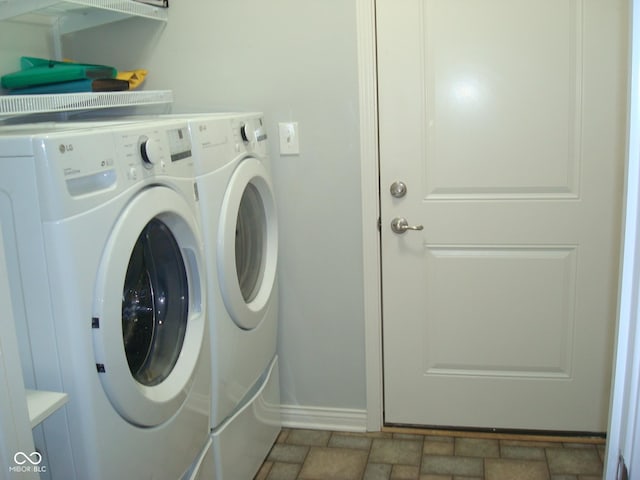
{"x": 219, "y": 140}
{"x": 250, "y": 132}
{"x": 250, "y": 135}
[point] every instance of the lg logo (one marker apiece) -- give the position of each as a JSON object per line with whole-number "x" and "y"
{"x": 65, "y": 148}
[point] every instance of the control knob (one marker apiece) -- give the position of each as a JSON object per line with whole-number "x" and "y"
{"x": 149, "y": 151}
{"x": 244, "y": 132}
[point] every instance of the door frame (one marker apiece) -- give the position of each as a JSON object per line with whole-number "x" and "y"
{"x": 623, "y": 436}
{"x": 370, "y": 199}
{"x": 370, "y": 191}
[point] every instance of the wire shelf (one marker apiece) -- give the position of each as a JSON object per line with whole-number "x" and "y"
{"x": 62, "y": 8}
{"x": 11, "y": 105}
{"x": 75, "y": 15}
{"x": 127, "y": 7}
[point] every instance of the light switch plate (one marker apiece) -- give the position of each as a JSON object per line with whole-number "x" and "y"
{"x": 289, "y": 139}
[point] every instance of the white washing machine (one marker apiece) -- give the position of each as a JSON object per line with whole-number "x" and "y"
{"x": 107, "y": 278}
{"x": 241, "y": 252}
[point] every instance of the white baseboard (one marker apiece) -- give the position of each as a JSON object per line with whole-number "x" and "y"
{"x": 318, "y": 418}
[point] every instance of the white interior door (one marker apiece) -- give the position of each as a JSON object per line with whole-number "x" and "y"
{"x": 504, "y": 119}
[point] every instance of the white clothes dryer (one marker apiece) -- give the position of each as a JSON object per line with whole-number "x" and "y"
{"x": 102, "y": 224}
{"x": 240, "y": 229}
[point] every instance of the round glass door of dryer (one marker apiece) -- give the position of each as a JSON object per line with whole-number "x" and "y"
{"x": 251, "y": 232}
{"x": 248, "y": 244}
{"x": 149, "y": 321}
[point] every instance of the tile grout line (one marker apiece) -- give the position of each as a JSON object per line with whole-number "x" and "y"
{"x": 546, "y": 461}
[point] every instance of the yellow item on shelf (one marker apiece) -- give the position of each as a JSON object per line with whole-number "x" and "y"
{"x": 134, "y": 77}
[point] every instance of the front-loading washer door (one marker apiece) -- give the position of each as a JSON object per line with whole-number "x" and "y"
{"x": 149, "y": 320}
{"x": 248, "y": 244}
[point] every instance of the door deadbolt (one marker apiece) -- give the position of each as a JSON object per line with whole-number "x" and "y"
{"x": 398, "y": 189}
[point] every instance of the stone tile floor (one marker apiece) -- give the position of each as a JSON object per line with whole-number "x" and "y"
{"x": 324, "y": 455}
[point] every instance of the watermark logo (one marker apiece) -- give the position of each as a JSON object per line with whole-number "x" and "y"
{"x": 28, "y": 463}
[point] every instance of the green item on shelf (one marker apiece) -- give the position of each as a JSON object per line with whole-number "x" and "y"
{"x": 75, "y": 86}
{"x": 40, "y": 71}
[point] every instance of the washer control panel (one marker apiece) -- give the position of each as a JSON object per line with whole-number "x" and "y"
{"x": 156, "y": 150}
{"x": 149, "y": 152}
{"x": 95, "y": 161}
{"x": 163, "y": 150}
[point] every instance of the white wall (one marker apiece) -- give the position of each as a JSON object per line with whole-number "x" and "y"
{"x": 22, "y": 38}
{"x": 294, "y": 60}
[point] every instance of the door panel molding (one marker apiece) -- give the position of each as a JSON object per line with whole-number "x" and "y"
{"x": 539, "y": 283}
{"x": 540, "y": 161}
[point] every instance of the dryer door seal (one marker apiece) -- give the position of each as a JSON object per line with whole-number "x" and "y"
{"x": 149, "y": 320}
{"x": 248, "y": 244}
